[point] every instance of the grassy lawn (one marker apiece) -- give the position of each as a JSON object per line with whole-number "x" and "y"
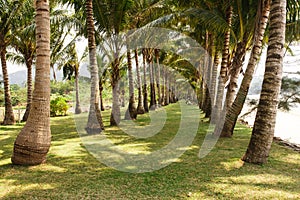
{"x": 71, "y": 172}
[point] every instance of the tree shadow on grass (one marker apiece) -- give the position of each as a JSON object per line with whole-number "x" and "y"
{"x": 72, "y": 173}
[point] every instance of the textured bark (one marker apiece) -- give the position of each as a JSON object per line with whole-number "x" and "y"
{"x": 131, "y": 112}
{"x": 95, "y": 123}
{"x": 219, "y": 102}
{"x": 208, "y": 75}
{"x": 213, "y": 83}
{"x": 159, "y": 99}
{"x": 33, "y": 142}
{"x": 152, "y": 87}
{"x": 237, "y": 65}
{"x": 225, "y": 52}
{"x": 264, "y": 125}
{"x": 9, "y": 118}
{"x": 115, "y": 116}
{"x": 101, "y": 95}
{"x": 145, "y": 93}
{"x": 140, "y": 108}
{"x": 237, "y": 106}
{"x": 29, "y": 89}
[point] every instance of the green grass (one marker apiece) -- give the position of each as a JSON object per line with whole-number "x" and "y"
{"x": 71, "y": 172}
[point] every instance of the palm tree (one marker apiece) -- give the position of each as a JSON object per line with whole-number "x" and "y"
{"x": 24, "y": 43}
{"x": 131, "y": 112}
{"x": 8, "y": 13}
{"x": 111, "y": 18}
{"x": 145, "y": 93}
{"x": 234, "y": 111}
{"x": 156, "y": 54}
{"x": 140, "y": 108}
{"x": 33, "y": 142}
{"x": 95, "y": 123}
{"x": 70, "y": 64}
{"x": 264, "y": 125}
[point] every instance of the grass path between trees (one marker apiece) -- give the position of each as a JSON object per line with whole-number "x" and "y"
{"x": 71, "y": 172}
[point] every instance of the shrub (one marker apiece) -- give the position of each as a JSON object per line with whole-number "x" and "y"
{"x": 58, "y": 106}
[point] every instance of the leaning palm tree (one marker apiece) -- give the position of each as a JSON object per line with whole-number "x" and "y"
{"x": 264, "y": 125}
{"x": 234, "y": 111}
{"x": 33, "y": 142}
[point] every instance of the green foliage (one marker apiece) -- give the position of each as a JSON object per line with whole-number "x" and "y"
{"x": 62, "y": 88}
{"x": 18, "y": 95}
{"x": 58, "y": 106}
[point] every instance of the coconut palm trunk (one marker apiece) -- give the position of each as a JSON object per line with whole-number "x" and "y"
{"x": 33, "y": 142}
{"x": 213, "y": 84}
{"x": 95, "y": 123}
{"x": 9, "y": 118}
{"x": 225, "y": 52}
{"x": 237, "y": 65}
{"x": 131, "y": 112}
{"x": 152, "y": 86}
{"x": 29, "y": 89}
{"x": 77, "y": 103}
{"x": 264, "y": 125}
{"x": 101, "y": 95}
{"x": 237, "y": 106}
{"x": 140, "y": 108}
{"x": 115, "y": 116}
{"x": 145, "y": 93}
{"x": 159, "y": 100}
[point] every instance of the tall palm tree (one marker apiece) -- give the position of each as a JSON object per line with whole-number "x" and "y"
{"x": 70, "y": 64}
{"x": 145, "y": 91}
{"x": 264, "y": 125}
{"x": 95, "y": 123}
{"x": 111, "y": 18}
{"x": 140, "y": 108}
{"x": 131, "y": 112}
{"x": 33, "y": 142}
{"x": 8, "y": 13}
{"x": 234, "y": 111}
{"x": 24, "y": 43}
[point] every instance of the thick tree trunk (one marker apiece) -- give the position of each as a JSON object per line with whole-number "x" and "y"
{"x": 145, "y": 93}
{"x": 237, "y": 106}
{"x": 237, "y": 65}
{"x": 225, "y": 52}
{"x": 264, "y": 125}
{"x": 131, "y": 112}
{"x": 213, "y": 84}
{"x": 33, "y": 142}
{"x": 9, "y": 118}
{"x": 140, "y": 108}
{"x": 101, "y": 95}
{"x": 208, "y": 75}
{"x": 115, "y": 116}
{"x": 95, "y": 123}
{"x": 159, "y": 99}
{"x": 152, "y": 87}
{"x": 29, "y": 89}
